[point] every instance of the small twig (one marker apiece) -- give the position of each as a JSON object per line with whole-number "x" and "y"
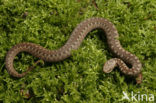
{"x": 155, "y": 28}
{"x": 148, "y": 17}
{"x": 139, "y": 79}
{"x": 36, "y": 63}
{"x": 127, "y": 3}
{"x": 25, "y": 14}
{"x": 95, "y": 4}
{"x": 25, "y": 93}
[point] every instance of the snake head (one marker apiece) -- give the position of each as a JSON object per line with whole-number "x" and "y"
{"x": 109, "y": 65}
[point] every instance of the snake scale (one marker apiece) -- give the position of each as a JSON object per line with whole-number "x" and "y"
{"x": 74, "y": 42}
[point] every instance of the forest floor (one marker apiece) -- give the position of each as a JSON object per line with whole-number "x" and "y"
{"x": 79, "y": 78}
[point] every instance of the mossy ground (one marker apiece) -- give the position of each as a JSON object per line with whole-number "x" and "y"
{"x": 80, "y": 77}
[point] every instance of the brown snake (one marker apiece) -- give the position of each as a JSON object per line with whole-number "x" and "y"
{"x": 74, "y": 42}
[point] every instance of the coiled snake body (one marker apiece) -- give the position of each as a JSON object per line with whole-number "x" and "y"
{"x": 74, "y": 42}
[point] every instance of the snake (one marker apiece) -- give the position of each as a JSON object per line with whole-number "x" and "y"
{"x": 121, "y": 60}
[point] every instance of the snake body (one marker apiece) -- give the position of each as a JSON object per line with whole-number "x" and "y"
{"x": 73, "y": 43}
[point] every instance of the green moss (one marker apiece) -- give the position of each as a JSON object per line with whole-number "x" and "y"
{"x": 80, "y": 77}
